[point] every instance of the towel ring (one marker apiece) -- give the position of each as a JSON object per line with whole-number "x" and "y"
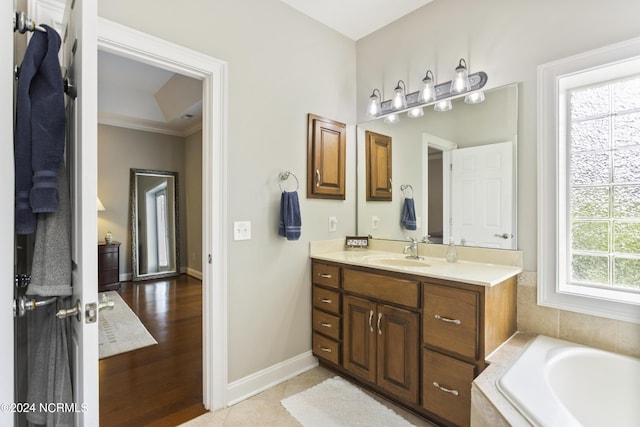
{"x": 284, "y": 178}
{"x": 404, "y": 187}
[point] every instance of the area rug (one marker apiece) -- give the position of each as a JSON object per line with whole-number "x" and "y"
{"x": 120, "y": 330}
{"x": 337, "y": 403}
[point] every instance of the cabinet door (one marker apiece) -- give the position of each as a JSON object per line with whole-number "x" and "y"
{"x": 398, "y": 352}
{"x": 326, "y": 158}
{"x": 446, "y": 387}
{"x": 379, "y": 178}
{"x": 359, "y": 348}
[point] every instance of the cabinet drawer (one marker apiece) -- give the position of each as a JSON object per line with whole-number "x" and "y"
{"x": 108, "y": 260}
{"x": 326, "y": 300}
{"x": 450, "y": 320}
{"x": 326, "y": 324}
{"x": 378, "y": 286}
{"x": 327, "y": 275}
{"x": 446, "y": 387}
{"x": 326, "y": 348}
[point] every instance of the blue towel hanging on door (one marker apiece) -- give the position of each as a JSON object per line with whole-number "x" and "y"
{"x": 40, "y": 129}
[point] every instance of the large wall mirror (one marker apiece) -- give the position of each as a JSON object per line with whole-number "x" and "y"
{"x": 460, "y": 168}
{"x": 154, "y": 224}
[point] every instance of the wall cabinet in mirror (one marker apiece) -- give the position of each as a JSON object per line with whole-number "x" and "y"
{"x": 326, "y": 148}
{"x": 379, "y": 172}
{"x": 154, "y": 224}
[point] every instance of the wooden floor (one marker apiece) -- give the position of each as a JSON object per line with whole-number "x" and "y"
{"x": 160, "y": 385}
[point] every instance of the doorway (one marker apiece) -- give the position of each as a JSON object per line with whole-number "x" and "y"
{"x": 126, "y": 42}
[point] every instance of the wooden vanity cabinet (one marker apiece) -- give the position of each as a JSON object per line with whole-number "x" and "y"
{"x": 381, "y": 331}
{"x": 461, "y": 325}
{"x": 418, "y": 341}
{"x": 327, "y": 312}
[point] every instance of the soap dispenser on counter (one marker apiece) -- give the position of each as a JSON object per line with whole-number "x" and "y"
{"x": 452, "y": 254}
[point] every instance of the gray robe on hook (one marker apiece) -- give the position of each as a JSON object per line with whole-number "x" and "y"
{"x": 49, "y": 364}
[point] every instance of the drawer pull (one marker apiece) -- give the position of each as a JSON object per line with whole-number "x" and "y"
{"x": 328, "y": 350}
{"x": 325, "y": 276}
{"x": 445, "y": 319}
{"x": 379, "y": 319}
{"x": 370, "y": 318}
{"x": 326, "y": 300}
{"x": 326, "y": 325}
{"x": 446, "y": 390}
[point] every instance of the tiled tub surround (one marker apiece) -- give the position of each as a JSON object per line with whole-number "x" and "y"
{"x": 490, "y": 407}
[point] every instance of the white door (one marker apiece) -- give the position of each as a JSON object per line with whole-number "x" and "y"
{"x": 80, "y": 59}
{"x": 6, "y": 215}
{"x": 482, "y": 188}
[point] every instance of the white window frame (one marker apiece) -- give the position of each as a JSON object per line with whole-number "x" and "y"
{"x": 551, "y": 183}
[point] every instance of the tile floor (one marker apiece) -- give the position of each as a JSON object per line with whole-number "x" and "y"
{"x": 264, "y": 409}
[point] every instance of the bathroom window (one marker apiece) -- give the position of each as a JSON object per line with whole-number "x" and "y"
{"x": 589, "y": 183}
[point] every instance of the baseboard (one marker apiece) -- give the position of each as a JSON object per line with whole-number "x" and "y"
{"x": 194, "y": 273}
{"x": 260, "y": 381}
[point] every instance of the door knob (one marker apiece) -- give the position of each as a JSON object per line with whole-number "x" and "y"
{"x": 503, "y": 235}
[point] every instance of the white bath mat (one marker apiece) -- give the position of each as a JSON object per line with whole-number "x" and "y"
{"x": 337, "y": 403}
{"x": 120, "y": 330}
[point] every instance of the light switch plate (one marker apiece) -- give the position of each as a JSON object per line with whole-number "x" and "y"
{"x": 333, "y": 223}
{"x": 242, "y": 230}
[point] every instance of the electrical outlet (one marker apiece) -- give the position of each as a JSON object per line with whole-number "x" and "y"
{"x": 333, "y": 223}
{"x": 242, "y": 230}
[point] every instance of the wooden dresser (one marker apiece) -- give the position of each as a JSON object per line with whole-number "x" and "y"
{"x": 108, "y": 266}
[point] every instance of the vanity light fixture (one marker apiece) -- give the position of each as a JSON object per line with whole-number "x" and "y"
{"x": 428, "y": 92}
{"x": 400, "y": 96}
{"x": 444, "y": 105}
{"x": 392, "y": 118}
{"x": 374, "y": 103}
{"x": 474, "y": 98}
{"x": 460, "y": 82}
{"x": 415, "y": 112}
{"x": 464, "y": 84}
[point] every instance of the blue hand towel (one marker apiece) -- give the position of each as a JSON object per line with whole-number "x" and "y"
{"x": 408, "y": 218}
{"x": 40, "y": 129}
{"x": 290, "y": 220}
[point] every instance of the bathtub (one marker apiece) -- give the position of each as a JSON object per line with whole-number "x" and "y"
{"x": 558, "y": 383}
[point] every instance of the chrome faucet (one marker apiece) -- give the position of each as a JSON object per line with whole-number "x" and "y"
{"x": 413, "y": 247}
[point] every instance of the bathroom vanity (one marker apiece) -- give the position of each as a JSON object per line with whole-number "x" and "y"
{"x": 417, "y": 332}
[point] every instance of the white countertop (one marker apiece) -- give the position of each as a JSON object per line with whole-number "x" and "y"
{"x": 476, "y": 273}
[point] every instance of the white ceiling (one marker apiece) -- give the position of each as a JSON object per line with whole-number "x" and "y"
{"x": 356, "y": 18}
{"x": 130, "y": 93}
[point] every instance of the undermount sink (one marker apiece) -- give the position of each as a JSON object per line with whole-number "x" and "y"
{"x": 399, "y": 262}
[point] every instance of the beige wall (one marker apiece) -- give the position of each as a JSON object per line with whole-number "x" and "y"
{"x": 282, "y": 65}
{"x": 119, "y": 150}
{"x": 193, "y": 204}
